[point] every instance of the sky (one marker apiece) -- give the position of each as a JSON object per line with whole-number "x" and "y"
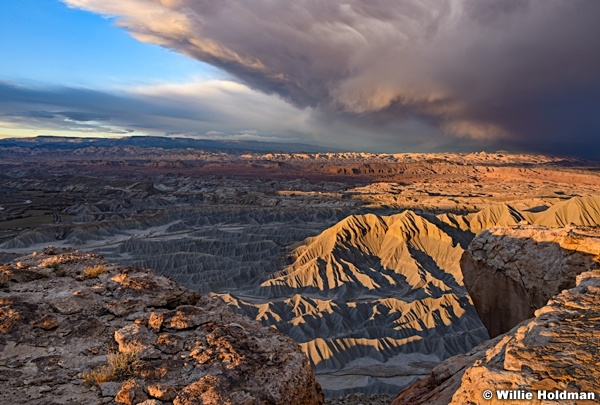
{"x": 376, "y": 76}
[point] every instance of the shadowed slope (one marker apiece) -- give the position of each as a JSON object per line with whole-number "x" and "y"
{"x": 365, "y": 295}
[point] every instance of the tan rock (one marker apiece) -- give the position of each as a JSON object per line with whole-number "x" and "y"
{"x": 136, "y": 338}
{"x": 163, "y": 392}
{"x": 156, "y": 320}
{"x": 555, "y": 352}
{"x": 131, "y": 393}
{"x": 512, "y": 271}
{"x": 169, "y": 343}
{"x": 48, "y": 347}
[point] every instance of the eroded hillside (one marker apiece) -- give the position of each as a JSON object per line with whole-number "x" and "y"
{"x": 553, "y": 353}
{"x": 376, "y": 301}
{"x": 374, "y": 294}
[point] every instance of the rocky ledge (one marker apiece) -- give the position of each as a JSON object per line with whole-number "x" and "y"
{"x": 512, "y": 271}
{"x": 75, "y": 329}
{"x": 556, "y": 352}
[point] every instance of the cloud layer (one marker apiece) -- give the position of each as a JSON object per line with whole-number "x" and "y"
{"x": 217, "y": 108}
{"x": 513, "y": 72}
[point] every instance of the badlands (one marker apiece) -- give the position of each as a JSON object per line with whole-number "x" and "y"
{"x": 355, "y": 256}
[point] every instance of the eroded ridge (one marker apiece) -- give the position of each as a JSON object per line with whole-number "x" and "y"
{"x": 377, "y": 301}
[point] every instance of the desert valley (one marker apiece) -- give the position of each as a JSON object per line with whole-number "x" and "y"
{"x": 355, "y": 256}
{"x": 298, "y": 202}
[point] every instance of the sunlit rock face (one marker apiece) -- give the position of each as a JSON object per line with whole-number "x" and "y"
{"x": 365, "y": 299}
{"x": 76, "y": 329}
{"x": 511, "y": 272}
{"x": 556, "y": 350}
{"x": 375, "y": 298}
{"x": 376, "y": 301}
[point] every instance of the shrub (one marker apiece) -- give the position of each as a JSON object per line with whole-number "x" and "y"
{"x": 95, "y": 271}
{"x": 120, "y": 367}
{"x": 53, "y": 265}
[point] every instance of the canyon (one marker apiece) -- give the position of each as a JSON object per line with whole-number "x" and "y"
{"x": 357, "y": 257}
{"x": 554, "y": 348}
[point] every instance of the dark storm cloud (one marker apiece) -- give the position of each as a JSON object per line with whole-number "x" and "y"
{"x": 517, "y": 73}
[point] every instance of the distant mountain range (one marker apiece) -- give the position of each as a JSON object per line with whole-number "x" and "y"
{"x": 57, "y": 142}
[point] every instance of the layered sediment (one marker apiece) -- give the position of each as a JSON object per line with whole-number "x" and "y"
{"x": 552, "y": 356}
{"x": 511, "y": 272}
{"x": 377, "y": 301}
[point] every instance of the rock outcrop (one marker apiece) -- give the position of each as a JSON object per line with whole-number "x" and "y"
{"x": 75, "y": 329}
{"x": 556, "y": 352}
{"x": 373, "y": 301}
{"x": 512, "y": 271}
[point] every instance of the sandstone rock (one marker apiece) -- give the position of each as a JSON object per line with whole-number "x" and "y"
{"x": 555, "y": 351}
{"x": 136, "y": 338}
{"x": 131, "y": 393}
{"x": 163, "y": 392}
{"x": 169, "y": 343}
{"x": 58, "y": 331}
{"x": 66, "y": 305}
{"x": 512, "y": 271}
{"x": 444, "y": 380}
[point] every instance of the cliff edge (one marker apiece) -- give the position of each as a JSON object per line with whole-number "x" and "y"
{"x": 75, "y": 329}
{"x": 512, "y": 271}
{"x": 553, "y": 356}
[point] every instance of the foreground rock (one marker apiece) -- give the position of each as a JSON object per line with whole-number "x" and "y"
{"x": 74, "y": 329}
{"x": 512, "y": 271}
{"x": 556, "y": 352}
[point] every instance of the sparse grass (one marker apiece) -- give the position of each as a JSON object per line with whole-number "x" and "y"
{"x": 95, "y": 271}
{"x": 120, "y": 366}
{"x": 51, "y": 263}
{"x": 56, "y": 268}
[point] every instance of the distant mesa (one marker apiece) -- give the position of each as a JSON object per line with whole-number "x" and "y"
{"x": 69, "y": 143}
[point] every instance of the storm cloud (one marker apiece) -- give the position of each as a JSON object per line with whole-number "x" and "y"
{"x": 519, "y": 73}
